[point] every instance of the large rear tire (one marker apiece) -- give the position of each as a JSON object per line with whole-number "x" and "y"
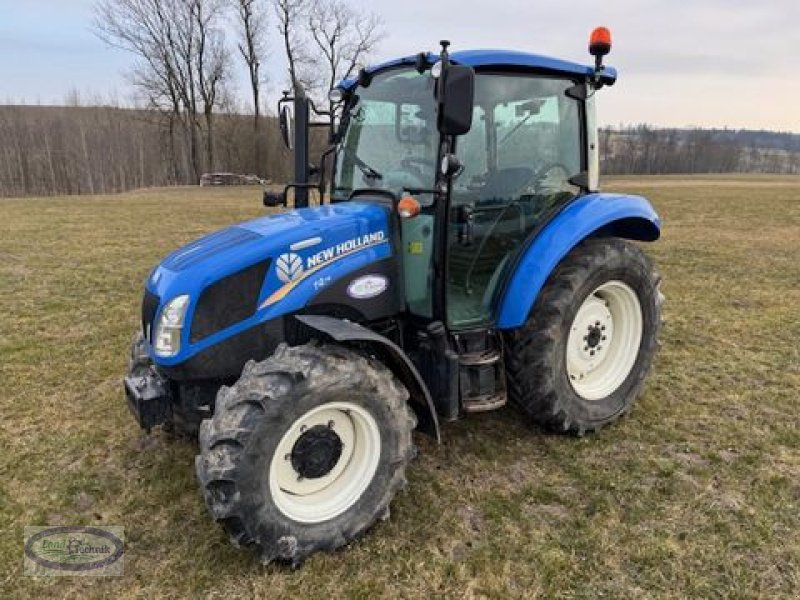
{"x": 581, "y": 359}
{"x": 305, "y": 451}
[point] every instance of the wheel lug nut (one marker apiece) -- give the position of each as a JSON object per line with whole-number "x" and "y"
{"x": 586, "y": 348}
{"x": 586, "y": 337}
{"x": 603, "y": 338}
{"x": 603, "y": 328}
{"x": 592, "y": 352}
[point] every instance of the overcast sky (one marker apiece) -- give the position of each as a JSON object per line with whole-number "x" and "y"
{"x": 681, "y": 62}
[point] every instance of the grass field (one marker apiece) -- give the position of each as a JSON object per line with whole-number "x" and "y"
{"x": 695, "y": 494}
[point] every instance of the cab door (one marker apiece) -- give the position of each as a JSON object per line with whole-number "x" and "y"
{"x": 523, "y": 148}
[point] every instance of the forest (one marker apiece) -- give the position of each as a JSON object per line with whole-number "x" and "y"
{"x": 57, "y": 150}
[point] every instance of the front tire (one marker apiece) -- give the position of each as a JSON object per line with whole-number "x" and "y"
{"x": 306, "y": 451}
{"x": 581, "y": 359}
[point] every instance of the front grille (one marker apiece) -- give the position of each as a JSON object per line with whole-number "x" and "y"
{"x": 150, "y": 304}
{"x": 228, "y": 301}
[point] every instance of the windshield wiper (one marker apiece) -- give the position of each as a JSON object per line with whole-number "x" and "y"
{"x": 516, "y": 129}
{"x": 368, "y": 171}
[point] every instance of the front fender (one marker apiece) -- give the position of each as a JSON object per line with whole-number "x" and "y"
{"x": 631, "y": 217}
{"x": 392, "y": 356}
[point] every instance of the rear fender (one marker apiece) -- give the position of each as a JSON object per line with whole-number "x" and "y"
{"x": 391, "y": 355}
{"x": 630, "y": 217}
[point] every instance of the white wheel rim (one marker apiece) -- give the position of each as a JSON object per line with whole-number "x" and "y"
{"x": 604, "y": 340}
{"x": 318, "y": 499}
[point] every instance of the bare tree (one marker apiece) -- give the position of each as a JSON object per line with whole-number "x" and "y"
{"x": 252, "y": 47}
{"x": 211, "y": 63}
{"x": 344, "y": 36}
{"x": 151, "y": 30}
{"x": 291, "y": 16}
{"x": 181, "y": 61}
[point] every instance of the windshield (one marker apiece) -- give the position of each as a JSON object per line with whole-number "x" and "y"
{"x": 391, "y": 139}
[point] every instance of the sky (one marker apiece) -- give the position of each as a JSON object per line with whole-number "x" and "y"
{"x": 709, "y": 63}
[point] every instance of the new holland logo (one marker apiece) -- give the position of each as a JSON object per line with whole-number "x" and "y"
{"x": 291, "y": 269}
{"x": 288, "y": 267}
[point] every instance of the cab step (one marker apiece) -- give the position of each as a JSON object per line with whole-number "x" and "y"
{"x": 482, "y": 380}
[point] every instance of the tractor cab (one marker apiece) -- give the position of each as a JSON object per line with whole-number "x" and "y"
{"x": 473, "y": 152}
{"x": 525, "y": 146}
{"x": 521, "y": 159}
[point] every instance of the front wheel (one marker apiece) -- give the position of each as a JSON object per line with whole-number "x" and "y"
{"x": 581, "y": 359}
{"x": 306, "y": 451}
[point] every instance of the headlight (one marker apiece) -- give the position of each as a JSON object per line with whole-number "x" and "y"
{"x": 336, "y": 95}
{"x": 170, "y": 324}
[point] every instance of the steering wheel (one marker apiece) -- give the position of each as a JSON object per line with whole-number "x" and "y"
{"x": 415, "y": 165}
{"x": 550, "y": 178}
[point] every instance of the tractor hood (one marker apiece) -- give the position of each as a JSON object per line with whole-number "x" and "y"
{"x": 241, "y": 276}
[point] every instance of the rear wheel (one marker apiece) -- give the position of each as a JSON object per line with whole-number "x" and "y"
{"x": 306, "y": 451}
{"x": 581, "y": 359}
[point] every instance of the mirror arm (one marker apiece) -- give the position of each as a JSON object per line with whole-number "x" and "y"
{"x": 286, "y": 98}
{"x": 323, "y": 172}
{"x": 318, "y": 112}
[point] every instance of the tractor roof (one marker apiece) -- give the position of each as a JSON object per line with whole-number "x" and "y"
{"x": 501, "y": 59}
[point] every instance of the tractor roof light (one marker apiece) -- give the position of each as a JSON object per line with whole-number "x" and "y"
{"x": 600, "y": 45}
{"x": 408, "y": 207}
{"x": 600, "y": 42}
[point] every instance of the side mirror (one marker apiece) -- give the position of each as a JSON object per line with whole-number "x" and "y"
{"x": 286, "y": 127}
{"x": 456, "y": 97}
{"x": 273, "y": 199}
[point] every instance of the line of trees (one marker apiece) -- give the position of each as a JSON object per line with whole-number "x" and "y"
{"x": 47, "y": 150}
{"x": 89, "y": 149}
{"x": 643, "y": 149}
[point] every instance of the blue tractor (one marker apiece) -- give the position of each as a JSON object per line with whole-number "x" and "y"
{"x": 461, "y": 257}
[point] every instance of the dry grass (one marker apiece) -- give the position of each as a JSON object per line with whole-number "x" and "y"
{"x": 697, "y": 493}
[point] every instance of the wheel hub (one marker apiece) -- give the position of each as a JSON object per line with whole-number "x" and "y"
{"x": 604, "y": 340}
{"x": 316, "y": 452}
{"x": 325, "y": 461}
{"x": 590, "y": 336}
{"x": 594, "y": 337}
